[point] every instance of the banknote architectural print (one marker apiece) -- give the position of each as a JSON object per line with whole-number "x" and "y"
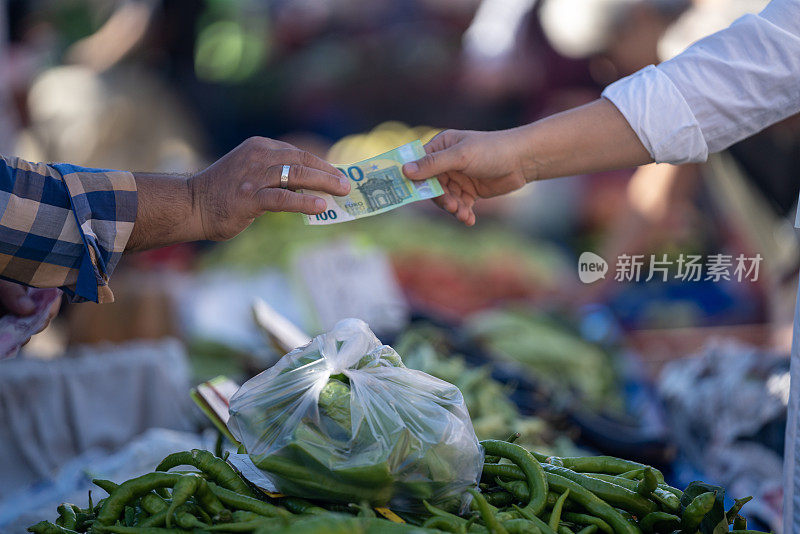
{"x": 384, "y": 188}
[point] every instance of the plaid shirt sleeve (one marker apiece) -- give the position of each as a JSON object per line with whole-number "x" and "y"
{"x": 64, "y": 226}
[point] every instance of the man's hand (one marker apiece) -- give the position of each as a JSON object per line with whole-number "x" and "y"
{"x": 471, "y": 165}
{"x": 245, "y": 183}
{"x": 14, "y": 300}
{"x": 222, "y": 200}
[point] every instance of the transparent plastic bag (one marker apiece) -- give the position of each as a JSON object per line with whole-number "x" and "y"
{"x": 342, "y": 419}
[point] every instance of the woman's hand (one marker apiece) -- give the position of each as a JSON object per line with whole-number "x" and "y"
{"x": 472, "y": 165}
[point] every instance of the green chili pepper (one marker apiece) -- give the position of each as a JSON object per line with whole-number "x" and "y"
{"x": 541, "y": 525}
{"x": 675, "y": 491}
{"x": 225, "y": 516}
{"x": 67, "y": 514}
{"x": 591, "y": 529}
{"x": 555, "y": 516}
{"x": 83, "y": 521}
{"x": 519, "y": 490}
{"x": 606, "y": 464}
{"x": 445, "y": 524}
{"x": 130, "y": 490}
{"x": 433, "y": 510}
{"x": 46, "y": 527}
{"x": 105, "y": 485}
{"x": 501, "y": 498}
{"x": 668, "y": 501}
{"x": 185, "y": 487}
{"x": 217, "y": 469}
{"x": 243, "y": 502}
{"x": 153, "y": 504}
{"x": 592, "y": 503}
{"x": 739, "y": 523}
{"x": 609, "y": 492}
{"x": 648, "y": 484}
{"x": 521, "y": 526}
{"x": 659, "y": 521}
{"x": 564, "y": 530}
{"x": 186, "y": 520}
{"x": 270, "y": 523}
{"x": 633, "y": 474}
{"x": 301, "y": 506}
{"x": 492, "y": 471}
{"x": 98, "y": 506}
{"x": 531, "y": 468}
{"x": 128, "y": 516}
{"x": 321, "y": 485}
{"x": 736, "y": 508}
{"x": 696, "y": 510}
{"x": 242, "y": 516}
{"x": 119, "y": 529}
{"x": 586, "y": 519}
{"x": 156, "y": 520}
{"x": 489, "y": 519}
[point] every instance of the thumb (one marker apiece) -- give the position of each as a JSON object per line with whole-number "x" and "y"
{"x": 432, "y": 164}
{"x": 15, "y": 298}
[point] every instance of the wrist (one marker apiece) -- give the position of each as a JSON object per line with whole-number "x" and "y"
{"x": 165, "y": 213}
{"x": 195, "y": 220}
{"x": 523, "y": 141}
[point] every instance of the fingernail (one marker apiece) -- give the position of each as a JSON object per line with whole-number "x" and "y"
{"x": 411, "y": 167}
{"x": 320, "y": 204}
{"x": 345, "y": 182}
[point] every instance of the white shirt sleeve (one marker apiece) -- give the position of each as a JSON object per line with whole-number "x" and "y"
{"x": 720, "y": 90}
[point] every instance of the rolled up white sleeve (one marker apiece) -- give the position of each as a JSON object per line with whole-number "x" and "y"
{"x": 720, "y": 90}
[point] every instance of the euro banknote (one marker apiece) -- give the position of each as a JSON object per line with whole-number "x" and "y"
{"x": 377, "y": 185}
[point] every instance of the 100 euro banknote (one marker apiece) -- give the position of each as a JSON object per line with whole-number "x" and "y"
{"x": 377, "y": 184}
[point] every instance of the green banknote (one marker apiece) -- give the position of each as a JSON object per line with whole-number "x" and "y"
{"x": 377, "y": 185}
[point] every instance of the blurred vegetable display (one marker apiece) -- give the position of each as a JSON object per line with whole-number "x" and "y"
{"x": 552, "y": 353}
{"x": 442, "y": 267}
{"x": 492, "y": 411}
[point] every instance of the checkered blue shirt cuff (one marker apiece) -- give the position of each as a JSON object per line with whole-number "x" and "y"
{"x": 104, "y": 204}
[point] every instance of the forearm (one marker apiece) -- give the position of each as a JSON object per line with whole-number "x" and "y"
{"x": 165, "y": 214}
{"x": 591, "y": 138}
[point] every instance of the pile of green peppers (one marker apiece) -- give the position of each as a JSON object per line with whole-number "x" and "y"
{"x": 521, "y": 492}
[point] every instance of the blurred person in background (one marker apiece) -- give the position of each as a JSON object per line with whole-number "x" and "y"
{"x": 722, "y": 89}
